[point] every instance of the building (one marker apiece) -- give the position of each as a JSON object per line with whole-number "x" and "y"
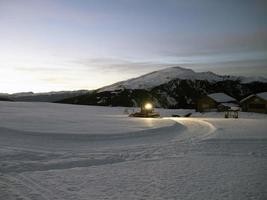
{"x": 255, "y": 103}
{"x": 216, "y": 102}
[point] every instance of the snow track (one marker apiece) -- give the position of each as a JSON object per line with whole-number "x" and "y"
{"x": 178, "y": 158}
{"x": 77, "y": 142}
{"x": 196, "y": 129}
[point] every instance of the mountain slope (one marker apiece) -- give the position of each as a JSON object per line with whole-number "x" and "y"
{"x": 160, "y": 77}
{"x": 4, "y": 99}
{"x": 44, "y": 97}
{"x": 170, "y": 88}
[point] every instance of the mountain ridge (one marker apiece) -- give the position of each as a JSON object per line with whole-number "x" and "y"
{"x": 170, "y": 90}
{"x": 173, "y": 87}
{"x": 160, "y": 77}
{"x": 43, "y": 96}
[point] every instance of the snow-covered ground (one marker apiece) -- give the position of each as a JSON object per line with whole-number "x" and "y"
{"x": 54, "y": 151}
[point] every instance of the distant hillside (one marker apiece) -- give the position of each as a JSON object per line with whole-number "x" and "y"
{"x": 44, "y": 97}
{"x": 170, "y": 88}
{"x": 4, "y": 99}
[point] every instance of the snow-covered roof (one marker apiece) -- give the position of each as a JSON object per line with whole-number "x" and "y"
{"x": 246, "y": 98}
{"x": 221, "y": 97}
{"x": 262, "y": 95}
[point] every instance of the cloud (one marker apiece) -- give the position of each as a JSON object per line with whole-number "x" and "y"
{"x": 121, "y": 66}
{"x": 238, "y": 68}
{"x": 253, "y": 41}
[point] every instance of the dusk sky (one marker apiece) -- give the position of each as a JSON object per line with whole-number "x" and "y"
{"x": 52, "y": 45}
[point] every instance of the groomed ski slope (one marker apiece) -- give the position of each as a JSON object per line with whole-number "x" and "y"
{"x": 54, "y": 151}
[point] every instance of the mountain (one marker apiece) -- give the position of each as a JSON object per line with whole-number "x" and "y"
{"x": 174, "y": 87}
{"x": 44, "y": 97}
{"x": 160, "y": 77}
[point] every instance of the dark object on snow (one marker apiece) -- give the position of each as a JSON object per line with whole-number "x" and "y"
{"x": 148, "y": 115}
{"x": 188, "y": 115}
{"x": 147, "y": 110}
{"x": 176, "y": 116}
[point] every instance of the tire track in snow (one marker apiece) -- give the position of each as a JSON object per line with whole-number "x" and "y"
{"x": 37, "y": 188}
{"x": 196, "y": 129}
{"x": 24, "y": 190}
{"x": 77, "y": 142}
{"x": 186, "y": 130}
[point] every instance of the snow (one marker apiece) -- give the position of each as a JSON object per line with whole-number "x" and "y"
{"x": 53, "y": 151}
{"x": 160, "y": 77}
{"x": 59, "y": 118}
{"x": 221, "y": 97}
{"x": 246, "y": 98}
{"x": 171, "y": 101}
{"x": 263, "y": 95}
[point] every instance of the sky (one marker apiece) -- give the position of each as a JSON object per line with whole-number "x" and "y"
{"x": 55, "y": 45}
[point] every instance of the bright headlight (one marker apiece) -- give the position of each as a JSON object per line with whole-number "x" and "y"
{"x": 148, "y": 106}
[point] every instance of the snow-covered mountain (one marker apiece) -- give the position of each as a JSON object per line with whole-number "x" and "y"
{"x": 174, "y": 87}
{"x": 160, "y": 77}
